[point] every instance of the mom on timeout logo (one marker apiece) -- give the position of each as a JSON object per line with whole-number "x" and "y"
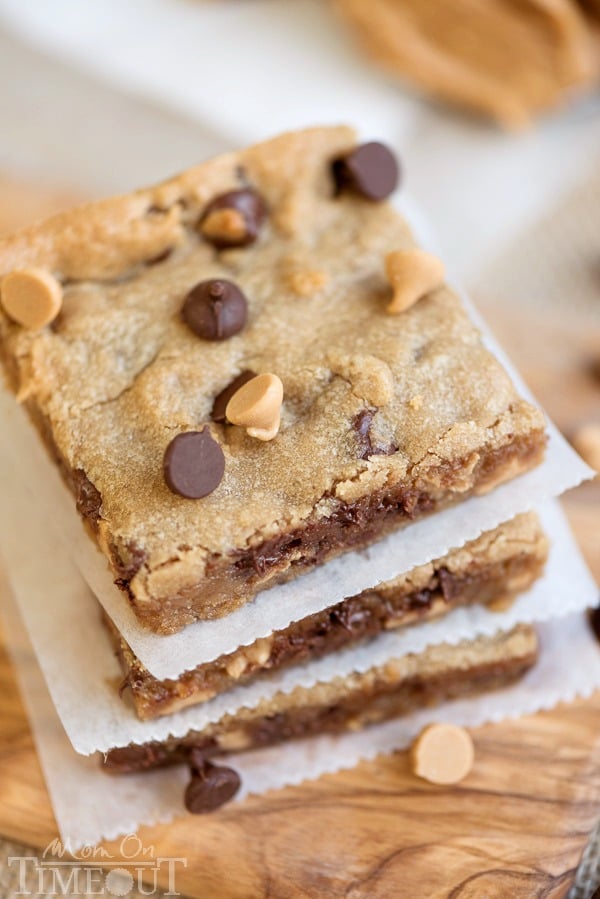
{"x": 94, "y": 871}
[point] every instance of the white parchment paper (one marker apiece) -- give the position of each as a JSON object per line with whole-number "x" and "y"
{"x": 89, "y": 806}
{"x": 63, "y": 620}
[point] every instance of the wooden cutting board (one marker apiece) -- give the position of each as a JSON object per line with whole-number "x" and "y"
{"x": 515, "y": 828}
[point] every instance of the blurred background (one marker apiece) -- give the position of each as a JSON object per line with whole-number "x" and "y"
{"x": 492, "y": 106}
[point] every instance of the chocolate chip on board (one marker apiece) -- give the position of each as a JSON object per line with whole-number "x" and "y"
{"x": 211, "y": 787}
{"x": 370, "y": 170}
{"x": 215, "y": 309}
{"x": 221, "y": 400}
{"x": 194, "y": 464}
{"x": 233, "y": 219}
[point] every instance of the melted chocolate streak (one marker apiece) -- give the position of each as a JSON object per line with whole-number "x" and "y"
{"x": 389, "y": 700}
{"x": 349, "y": 621}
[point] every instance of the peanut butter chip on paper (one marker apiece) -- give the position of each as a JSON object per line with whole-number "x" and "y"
{"x": 32, "y": 297}
{"x": 256, "y": 406}
{"x": 443, "y": 754}
{"x": 413, "y": 274}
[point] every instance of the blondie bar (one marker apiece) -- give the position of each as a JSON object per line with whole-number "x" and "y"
{"x": 213, "y": 366}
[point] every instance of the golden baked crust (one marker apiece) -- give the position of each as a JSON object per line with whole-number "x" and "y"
{"x": 491, "y": 570}
{"x": 349, "y": 703}
{"x": 504, "y": 59}
{"x": 118, "y": 375}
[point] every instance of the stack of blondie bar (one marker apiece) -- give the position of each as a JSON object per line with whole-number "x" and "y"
{"x": 242, "y": 374}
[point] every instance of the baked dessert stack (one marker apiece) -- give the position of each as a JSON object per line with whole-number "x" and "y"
{"x": 242, "y": 374}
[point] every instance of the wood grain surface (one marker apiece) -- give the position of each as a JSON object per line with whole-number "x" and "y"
{"x": 515, "y": 828}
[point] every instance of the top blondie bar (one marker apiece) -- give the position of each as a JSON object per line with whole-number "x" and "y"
{"x": 275, "y": 261}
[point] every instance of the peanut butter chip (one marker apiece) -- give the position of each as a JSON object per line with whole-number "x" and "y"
{"x": 413, "y": 274}
{"x": 443, "y": 754}
{"x": 256, "y": 406}
{"x": 225, "y": 225}
{"x": 32, "y": 297}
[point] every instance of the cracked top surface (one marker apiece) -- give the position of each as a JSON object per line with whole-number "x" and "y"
{"x": 118, "y": 375}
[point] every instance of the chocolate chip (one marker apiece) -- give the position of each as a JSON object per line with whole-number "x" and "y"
{"x": 351, "y": 615}
{"x": 215, "y": 309}
{"x": 370, "y": 170}
{"x": 127, "y": 561}
{"x": 87, "y": 498}
{"x": 362, "y": 426}
{"x": 449, "y": 584}
{"x": 196, "y": 757}
{"x": 194, "y": 464}
{"x": 221, "y": 400}
{"x": 252, "y": 212}
{"x": 422, "y": 599}
{"x": 211, "y": 786}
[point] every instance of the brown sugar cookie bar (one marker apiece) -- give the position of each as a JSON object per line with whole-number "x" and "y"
{"x": 507, "y": 60}
{"x": 266, "y": 262}
{"x": 349, "y": 703}
{"x": 491, "y": 570}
